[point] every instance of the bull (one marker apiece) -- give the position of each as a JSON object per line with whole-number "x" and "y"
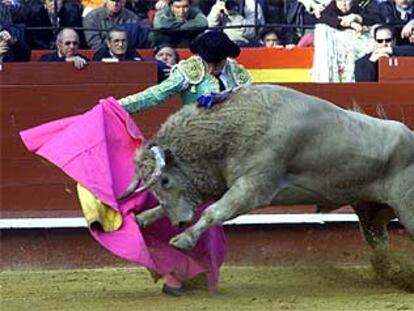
{"x": 271, "y": 145}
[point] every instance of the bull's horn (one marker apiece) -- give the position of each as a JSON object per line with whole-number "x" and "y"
{"x": 159, "y": 158}
{"x": 159, "y": 165}
{"x": 131, "y": 188}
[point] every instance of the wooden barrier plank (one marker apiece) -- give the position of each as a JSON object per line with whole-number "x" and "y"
{"x": 33, "y": 73}
{"x": 396, "y": 69}
{"x": 395, "y": 99}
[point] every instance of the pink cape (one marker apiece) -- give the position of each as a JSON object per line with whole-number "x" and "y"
{"x": 96, "y": 149}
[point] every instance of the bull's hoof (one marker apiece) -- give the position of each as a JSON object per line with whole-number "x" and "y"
{"x": 182, "y": 241}
{"x": 395, "y": 268}
{"x": 173, "y": 291}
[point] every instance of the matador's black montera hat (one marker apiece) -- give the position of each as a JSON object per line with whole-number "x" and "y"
{"x": 214, "y": 46}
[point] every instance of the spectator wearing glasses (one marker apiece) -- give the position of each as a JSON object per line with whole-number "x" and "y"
{"x": 116, "y": 48}
{"x": 366, "y": 68}
{"x": 67, "y": 49}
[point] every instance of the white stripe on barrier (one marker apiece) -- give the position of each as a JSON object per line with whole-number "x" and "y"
{"x": 257, "y": 219}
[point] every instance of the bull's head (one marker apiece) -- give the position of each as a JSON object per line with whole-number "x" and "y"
{"x": 169, "y": 179}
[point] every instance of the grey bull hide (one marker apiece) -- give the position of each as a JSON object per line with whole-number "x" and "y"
{"x": 270, "y": 145}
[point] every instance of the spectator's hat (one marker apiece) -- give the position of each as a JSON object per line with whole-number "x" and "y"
{"x": 214, "y": 46}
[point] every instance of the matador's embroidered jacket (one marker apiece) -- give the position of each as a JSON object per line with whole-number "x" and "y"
{"x": 189, "y": 78}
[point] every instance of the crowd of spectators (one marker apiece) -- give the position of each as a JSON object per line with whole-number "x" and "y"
{"x": 104, "y": 25}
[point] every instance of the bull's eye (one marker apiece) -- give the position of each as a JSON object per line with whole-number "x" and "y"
{"x": 165, "y": 181}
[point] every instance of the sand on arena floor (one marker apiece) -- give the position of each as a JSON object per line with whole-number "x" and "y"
{"x": 241, "y": 288}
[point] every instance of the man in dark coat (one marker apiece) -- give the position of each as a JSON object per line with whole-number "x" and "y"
{"x": 112, "y": 13}
{"x": 116, "y": 48}
{"x": 45, "y": 14}
{"x": 67, "y": 49}
{"x": 366, "y": 68}
{"x": 178, "y": 23}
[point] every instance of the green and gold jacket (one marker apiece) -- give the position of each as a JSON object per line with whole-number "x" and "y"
{"x": 190, "y": 79}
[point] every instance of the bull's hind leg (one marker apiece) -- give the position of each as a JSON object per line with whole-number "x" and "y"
{"x": 393, "y": 267}
{"x": 405, "y": 211}
{"x": 397, "y": 268}
{"x": 374, "y": 218}
{"x": 403, "y": 198}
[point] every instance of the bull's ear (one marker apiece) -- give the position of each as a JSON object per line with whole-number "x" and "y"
{"x": 169, "y": 156}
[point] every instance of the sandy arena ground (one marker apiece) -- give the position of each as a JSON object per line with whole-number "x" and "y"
{"x": 241, "y": 288}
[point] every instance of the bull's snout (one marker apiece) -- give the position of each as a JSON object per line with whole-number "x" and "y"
{"x": 180, "y": 217}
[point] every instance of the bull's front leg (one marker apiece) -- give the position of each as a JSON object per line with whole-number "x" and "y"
{"x": 149, "y": 216}
{"x": 246, "y": 194}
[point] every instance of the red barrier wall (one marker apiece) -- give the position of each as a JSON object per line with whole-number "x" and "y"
{"x": 396, "y": 69}
{"x": 35, "y": 93}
